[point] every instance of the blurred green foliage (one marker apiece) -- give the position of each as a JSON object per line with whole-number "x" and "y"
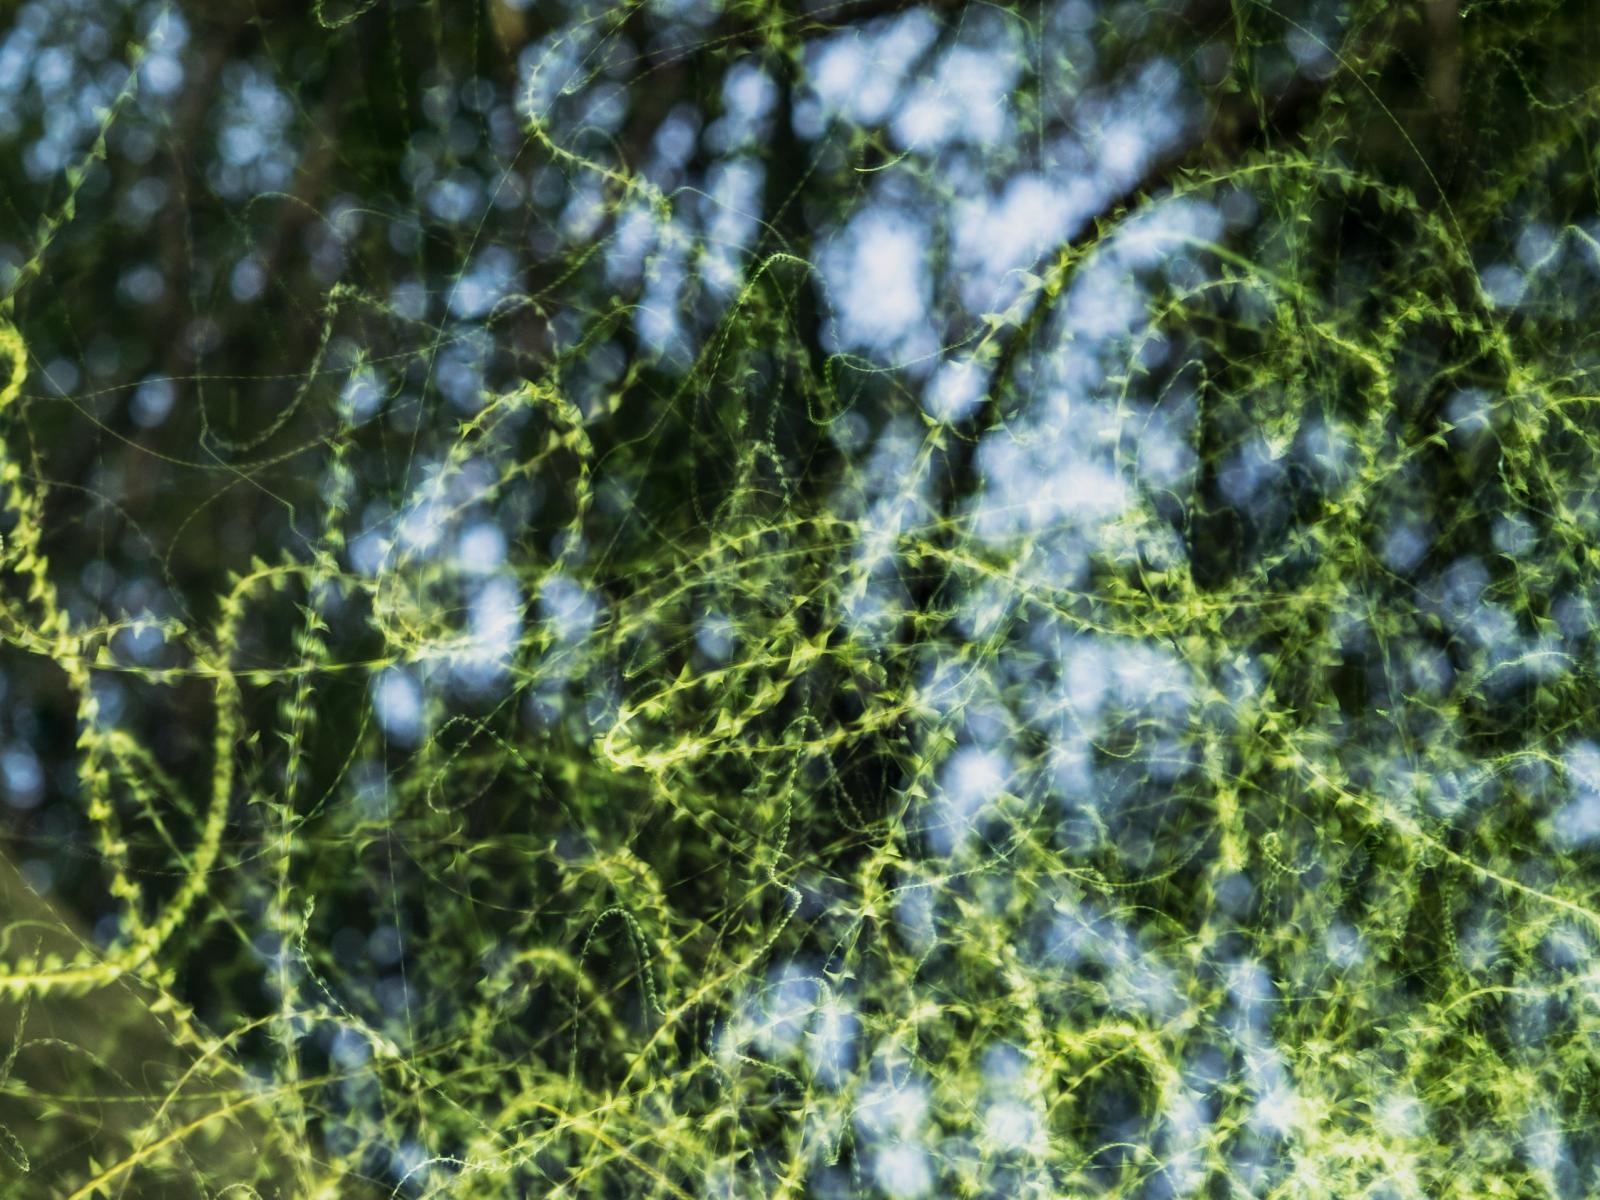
{"x": 699, "y": 599}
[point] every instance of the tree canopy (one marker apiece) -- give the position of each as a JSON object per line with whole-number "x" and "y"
{"x": 840, "y": 598}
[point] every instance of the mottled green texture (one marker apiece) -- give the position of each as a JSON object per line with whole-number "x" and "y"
{"x": 752, "y": 600}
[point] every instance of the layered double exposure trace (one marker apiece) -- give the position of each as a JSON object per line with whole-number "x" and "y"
{"x": 799, "y": 598}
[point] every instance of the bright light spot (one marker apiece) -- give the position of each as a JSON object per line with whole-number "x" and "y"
{"x": 397, "y": 703}
{"x": 903, "y": 1171}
